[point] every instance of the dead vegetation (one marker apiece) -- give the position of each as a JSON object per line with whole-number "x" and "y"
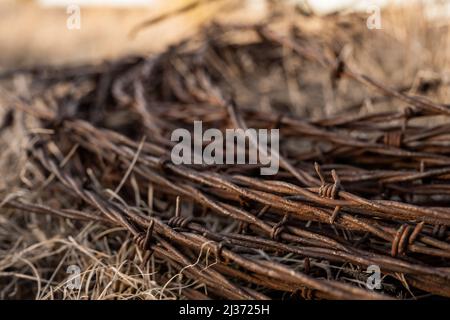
{"x": 363, "y": 180}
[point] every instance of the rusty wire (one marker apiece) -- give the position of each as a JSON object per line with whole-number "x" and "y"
{"x": 366, "y": 190}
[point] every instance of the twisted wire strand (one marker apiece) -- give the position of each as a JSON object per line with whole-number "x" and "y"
{"x": 393, "y": 138}
{"x": 405, "y": 235}
{"x": 328, "y": 190}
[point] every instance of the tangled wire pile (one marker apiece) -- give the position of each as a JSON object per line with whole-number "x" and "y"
{"x": 354, "y": 190}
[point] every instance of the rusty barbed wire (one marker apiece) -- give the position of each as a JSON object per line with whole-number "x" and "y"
{"x": 247, "y": 236}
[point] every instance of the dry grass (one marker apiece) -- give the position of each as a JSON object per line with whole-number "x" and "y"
{"x": 35, "y": 251}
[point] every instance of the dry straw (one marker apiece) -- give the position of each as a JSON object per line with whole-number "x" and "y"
{"x": 353, "y": 190}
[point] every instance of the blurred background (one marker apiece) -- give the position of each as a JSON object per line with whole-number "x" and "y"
{"x": 35, "y": 32}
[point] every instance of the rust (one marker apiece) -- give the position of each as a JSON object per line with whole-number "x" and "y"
{"x": 379, "y": 199}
